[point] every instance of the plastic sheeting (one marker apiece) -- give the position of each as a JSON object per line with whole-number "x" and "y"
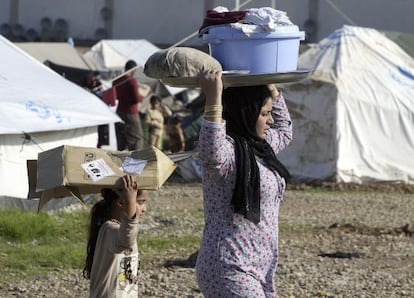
{"x": 57, "y": 52}
{"x": 354, "y": 117}
{"x": 112, "y": 54}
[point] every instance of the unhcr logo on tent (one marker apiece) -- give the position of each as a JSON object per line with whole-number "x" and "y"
{"x": 44, "y": 112}
{"x": 406, "y": 72}
{"x": 404, "y": 76}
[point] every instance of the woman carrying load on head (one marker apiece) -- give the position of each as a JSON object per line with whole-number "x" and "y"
{"x": 243, "y": 185}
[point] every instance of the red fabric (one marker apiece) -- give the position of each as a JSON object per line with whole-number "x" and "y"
{"x": 218, "y": 18}
{"x": 127, "y": 94}
{"x": 109, "y": 96}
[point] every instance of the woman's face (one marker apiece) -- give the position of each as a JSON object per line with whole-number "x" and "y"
{"x": 265, "y": 119}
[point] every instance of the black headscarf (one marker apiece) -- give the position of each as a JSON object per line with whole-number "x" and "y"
{"x": 242, "y": 106}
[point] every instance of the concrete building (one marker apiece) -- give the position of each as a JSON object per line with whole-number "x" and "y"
{"x": 166, "y": 22}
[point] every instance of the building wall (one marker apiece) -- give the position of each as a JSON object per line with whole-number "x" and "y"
{"x": 82, "y": 17}
{"x": 168, "y": 22}
{"x": 159, "y": 21}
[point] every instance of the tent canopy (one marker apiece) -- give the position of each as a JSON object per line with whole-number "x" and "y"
{"x": 40, "y": 110}
{"x": 59, "y": 56}
{"x": 112, "y": 54}
{"x": 354, "y": 117}
{"x": 57, "y": 52}
{"x": 34, "y": 98}
{"x": 73, "y": 74}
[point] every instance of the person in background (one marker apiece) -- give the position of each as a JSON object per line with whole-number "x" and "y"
{"x": 176, "y": 139}
{"x": 155, "y": 121}
{"x": 243, "y": 185}
{"x": 112, "y": 262}
{"x": 129, "y": 135}
{"x": 92, "y": 83}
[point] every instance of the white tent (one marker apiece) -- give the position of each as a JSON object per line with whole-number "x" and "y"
{"x": 112, "y": 54}
{"x": 40, "y": 110}
{"x": 57, "y": 52}
{"x": 354, "y": 117}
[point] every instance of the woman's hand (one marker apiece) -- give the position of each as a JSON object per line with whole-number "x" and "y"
{"x": 273, "y": 89}
{"x": 212, "y": 86}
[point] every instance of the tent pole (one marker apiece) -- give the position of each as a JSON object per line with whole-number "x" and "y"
{"x": 237, "y": 5}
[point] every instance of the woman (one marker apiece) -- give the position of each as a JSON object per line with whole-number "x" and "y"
{"x": 243, "y": 184}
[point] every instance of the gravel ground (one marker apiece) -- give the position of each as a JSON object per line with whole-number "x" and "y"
{"x": 342, "y": 242}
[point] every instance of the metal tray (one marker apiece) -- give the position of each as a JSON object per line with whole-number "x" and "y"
{"x": 234, "y": 79}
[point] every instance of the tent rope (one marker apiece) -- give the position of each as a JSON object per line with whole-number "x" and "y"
{"x": 338, "y": 10}
{"x": 27, "y": 139}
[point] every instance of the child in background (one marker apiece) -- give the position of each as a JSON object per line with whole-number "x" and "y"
{"x": 112, "y": 253}
{"x": 176, "y": 135}
{"x": 155, "y": 121}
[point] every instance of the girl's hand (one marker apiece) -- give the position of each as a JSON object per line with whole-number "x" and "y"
{"x": 129, "y": 192}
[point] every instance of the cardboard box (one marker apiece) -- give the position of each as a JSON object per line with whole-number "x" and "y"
{"x": 46, "y": 195}
{"x": 70, "y": 170}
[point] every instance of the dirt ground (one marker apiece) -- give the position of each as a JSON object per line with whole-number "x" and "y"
{"x": 335, "y": 241}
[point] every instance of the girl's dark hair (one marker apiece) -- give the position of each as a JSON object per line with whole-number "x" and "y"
{"x": 100, "y": 213}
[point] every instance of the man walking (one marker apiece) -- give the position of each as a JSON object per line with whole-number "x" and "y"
{"x": 129, "y": 135}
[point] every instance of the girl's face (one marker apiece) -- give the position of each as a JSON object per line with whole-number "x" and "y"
{"x": 142, "y": 202}
{"x": 265, "y": 119}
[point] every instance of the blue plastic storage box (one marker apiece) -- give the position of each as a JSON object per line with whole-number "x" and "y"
{"x": 267, "y": 52}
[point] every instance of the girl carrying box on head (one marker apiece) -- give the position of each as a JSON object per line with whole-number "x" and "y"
{"x": 112, "y": 253}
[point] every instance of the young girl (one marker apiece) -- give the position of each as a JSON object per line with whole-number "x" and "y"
{"x": 112, "y": 253}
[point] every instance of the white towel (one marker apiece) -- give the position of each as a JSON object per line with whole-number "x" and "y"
{"x": 267, "y": 17}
